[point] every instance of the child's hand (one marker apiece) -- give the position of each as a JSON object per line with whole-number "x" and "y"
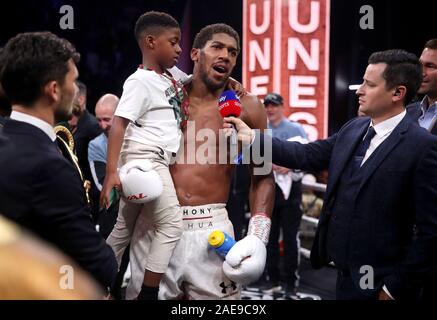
{"x": 237, "y": 87}
{"x": 112, "y": 180}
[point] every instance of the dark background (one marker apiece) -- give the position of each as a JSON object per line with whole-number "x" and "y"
{"x": 103, "y": 34}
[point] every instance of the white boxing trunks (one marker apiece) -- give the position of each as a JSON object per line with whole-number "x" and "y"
{"x": 195, "y": 269}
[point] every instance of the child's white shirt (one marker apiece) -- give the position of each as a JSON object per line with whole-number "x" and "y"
{"x": 149, "y": 102}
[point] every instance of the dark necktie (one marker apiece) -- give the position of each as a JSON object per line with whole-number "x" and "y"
{"x": 362, "y": 148}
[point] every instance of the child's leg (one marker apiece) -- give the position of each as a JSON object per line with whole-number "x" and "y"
{"x": 128, "y": 212}
{"x": 121, "y": 235}
{"x": 168, "y": 231}
{"x": 167, "y": 220}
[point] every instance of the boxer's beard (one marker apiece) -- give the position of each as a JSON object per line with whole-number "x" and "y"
{"x": 210, "y": 84}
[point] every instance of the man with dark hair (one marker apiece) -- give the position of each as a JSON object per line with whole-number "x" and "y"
{"x": 84, "y": 127}
{"x": 379, "y": 220}
{"x": 202, "y": 188}
{"x": 39, "y": 188}
{"x": 426, "y": 110}
{"x": 208, "y": 32}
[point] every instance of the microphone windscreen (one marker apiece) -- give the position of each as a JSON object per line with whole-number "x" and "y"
{"x": 229, "y": 104}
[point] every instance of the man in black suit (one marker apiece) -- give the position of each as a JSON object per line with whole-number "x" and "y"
{"x": 379, "y": 220}
{"x": 84, "y": 127}
{"x": 425, "y": 111}
{"x": 39, "y": 188}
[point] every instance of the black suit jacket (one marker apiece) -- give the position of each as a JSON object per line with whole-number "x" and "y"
{"x": 429, "y": 292}
{"x": 87, "y": 129}
{"x": 40, "y": 190}
{"x": 394, "y": 224}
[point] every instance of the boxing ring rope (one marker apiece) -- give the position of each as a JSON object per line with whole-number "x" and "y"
{"x": 310, "y": 221}
{"x": 310, "y": 186}
{"x": 314, "y": 186}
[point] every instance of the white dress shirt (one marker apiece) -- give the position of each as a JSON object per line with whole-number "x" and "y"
{"x": 382, "y": 130}
{"x": 40, "y": 124}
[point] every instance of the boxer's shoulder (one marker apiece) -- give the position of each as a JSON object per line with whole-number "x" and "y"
{"x": 250, "y": 100}
{"x": 253, "y": 112}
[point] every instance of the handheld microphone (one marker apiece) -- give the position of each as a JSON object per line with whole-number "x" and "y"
{"x": 230, "y": 106}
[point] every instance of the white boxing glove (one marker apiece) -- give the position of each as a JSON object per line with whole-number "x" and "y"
{"x": 246, "y": 260}
{"x": 140, "y": 183}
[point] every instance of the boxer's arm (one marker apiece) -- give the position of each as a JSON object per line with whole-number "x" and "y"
{"x": 246, "y": 260}
{"x": 262, "y": 188}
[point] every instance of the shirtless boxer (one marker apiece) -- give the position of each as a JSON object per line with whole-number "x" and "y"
{"x": 196, "y": 271}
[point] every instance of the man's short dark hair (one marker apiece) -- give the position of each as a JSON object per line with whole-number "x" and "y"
{"x": 431, "y": 44}
{"x": 273, "y": 98}
{"x": 208, "y": 32}
{"x": 154, "y": 22}
{"x": 31, "y": 60}
{"x": 403, "y": 68}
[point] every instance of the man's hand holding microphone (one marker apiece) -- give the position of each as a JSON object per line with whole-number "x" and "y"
{"x": 245, "y": 134}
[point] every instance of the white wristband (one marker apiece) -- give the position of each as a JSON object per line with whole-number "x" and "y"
{"x": 259, "y": 225}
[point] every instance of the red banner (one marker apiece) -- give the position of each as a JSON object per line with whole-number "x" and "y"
{"x": 286, "y": 50}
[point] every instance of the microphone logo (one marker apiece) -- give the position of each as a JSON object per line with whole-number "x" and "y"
{"x": 229, "y": 104}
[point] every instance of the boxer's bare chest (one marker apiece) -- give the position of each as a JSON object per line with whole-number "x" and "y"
{"x": 202, "y": 172}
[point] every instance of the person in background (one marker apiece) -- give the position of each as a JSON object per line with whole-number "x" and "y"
{"x": 39, "y": 188}
{"x": 84, "y": 127}
{"x": 287, "y": 212}
{"x": 97, "y": 153}
{"x": 425, "y": 112}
